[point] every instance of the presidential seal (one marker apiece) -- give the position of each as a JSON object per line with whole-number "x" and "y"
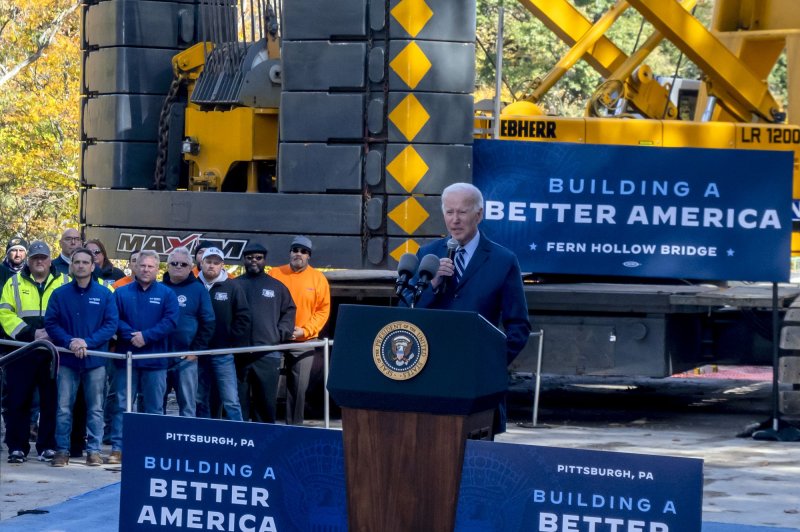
{"x": 400, "y": 350}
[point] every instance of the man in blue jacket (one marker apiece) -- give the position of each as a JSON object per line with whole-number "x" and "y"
{"x": 195, "y": 328}
{"x": 148, "y": 315}
{"x": 81, "y": 316}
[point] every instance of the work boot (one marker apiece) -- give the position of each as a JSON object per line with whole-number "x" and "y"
{"x": 61, "y": 459}
{"x": 115, "y": 457}
{"x": 94, "y": 459}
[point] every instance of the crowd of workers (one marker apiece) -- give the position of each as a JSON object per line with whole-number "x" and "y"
{"x": 81, "y": 302}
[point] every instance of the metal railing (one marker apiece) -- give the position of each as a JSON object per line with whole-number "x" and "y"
{"x": 129, "y": 357}
{"x": 28, "y": 348}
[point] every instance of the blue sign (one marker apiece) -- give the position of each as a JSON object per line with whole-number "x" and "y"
{"x": 525, "y": 488}
{"x": 187, "y": 473}
{"x": 638, "y": 211}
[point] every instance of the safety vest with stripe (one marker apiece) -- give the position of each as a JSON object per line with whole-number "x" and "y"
{"x": 23, "y": 303}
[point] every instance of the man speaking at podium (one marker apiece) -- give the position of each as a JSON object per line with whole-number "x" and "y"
{"x": 481, "y": 276}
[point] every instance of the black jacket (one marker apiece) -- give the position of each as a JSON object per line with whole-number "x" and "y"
{"x": 7, "y": 272}
{"x": 232, "y": 314}
{"x": 271, "y": 306}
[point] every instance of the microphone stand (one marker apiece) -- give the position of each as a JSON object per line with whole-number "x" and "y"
{"x": 399, "y": 291}
{"x": 420, "y": 287}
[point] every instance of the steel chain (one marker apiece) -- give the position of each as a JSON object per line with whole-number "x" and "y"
{"x": 163, "y": 132}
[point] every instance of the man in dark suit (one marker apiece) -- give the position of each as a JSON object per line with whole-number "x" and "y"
{"x": 483, "y": 276}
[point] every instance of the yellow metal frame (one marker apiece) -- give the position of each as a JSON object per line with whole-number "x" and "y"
{"x": 242, "y": 134}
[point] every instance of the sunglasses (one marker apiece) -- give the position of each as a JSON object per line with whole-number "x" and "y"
{"x": 179, "y": 264}
{"x": 254, "y": 257}
{"x": 304, "y": 251}
{"x": 96, "y": 252}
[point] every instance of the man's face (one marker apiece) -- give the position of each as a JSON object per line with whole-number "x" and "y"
{"x": 298, "y": 258}
{"x": 70, "y": 241}
{"x": 179, "y": 268}
{"x": 212, "y": 266}
{"x": 198, "y": 256}
{"x": 255, "y": 262}
{"x": 82, "y": 266}
{"x": 17, "y": 256}
{"x": 146, "y": 269}
{"x": 132, "y": 263}
{"x": 461, "y": 216}
{"x": 39, "y": 264}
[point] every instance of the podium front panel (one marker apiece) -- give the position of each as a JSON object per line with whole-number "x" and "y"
{"x": 417, "y": 360}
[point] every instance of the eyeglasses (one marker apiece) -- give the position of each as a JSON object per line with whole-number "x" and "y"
{"x": 96, "y": 252}
{"x": 254, "y": 257}
{"x": 72, "y": 238}
{"x": 304, "y": 251}
{"x": 179, "y": 264}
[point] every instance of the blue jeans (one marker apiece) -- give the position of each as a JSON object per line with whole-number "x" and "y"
{"x": 151, "y": 384}
{"x": 219, "y": 370}
{"x": 93, "y": 381}
{"x": 183, "y": 377}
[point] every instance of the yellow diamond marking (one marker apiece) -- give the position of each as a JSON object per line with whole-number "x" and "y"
{"x": 409, "y": 116}
{"x": 412, "y": 15}
{"x": 411, "y": 64}
{"x": 409, "y": 215}
{"x": 407, "y": 168}
{"x": 409, "y": 246}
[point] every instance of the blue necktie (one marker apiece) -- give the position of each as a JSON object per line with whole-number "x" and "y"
{"x": 459, "y": 264}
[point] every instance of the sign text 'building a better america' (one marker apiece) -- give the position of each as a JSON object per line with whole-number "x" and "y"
{"x": 638, "y": 211}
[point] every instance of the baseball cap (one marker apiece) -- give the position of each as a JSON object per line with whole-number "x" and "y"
{"x": 214, "y": 251}
{"x": 254, "y": 247}
{"x": 38, "y": 248}
{"x": 17, "y": 242}
{"x": 301, "y": 242}
{"x": 202, "y": 244}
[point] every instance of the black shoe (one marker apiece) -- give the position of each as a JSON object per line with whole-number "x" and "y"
{"x": 47, "y": 455}
{"x": 16, "y": 457}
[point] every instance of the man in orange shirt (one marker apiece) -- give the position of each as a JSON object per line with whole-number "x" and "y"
{"x": 128, "y": 279}
{"x": 312, "y": 296}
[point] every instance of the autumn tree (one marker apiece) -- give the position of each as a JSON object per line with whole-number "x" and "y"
{"x": 39, "y": 117}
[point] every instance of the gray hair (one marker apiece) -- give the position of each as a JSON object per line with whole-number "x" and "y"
{"x": 466, "y": 188}
{"x": 180, "y": 250}
{"x": 148, "y": 253}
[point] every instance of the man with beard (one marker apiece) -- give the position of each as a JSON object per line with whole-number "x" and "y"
{"x": 232, "y": 329}
{"x": 312, "y": 296}
{"x": 16, "y": 251}
{"x": 273, "y": 313}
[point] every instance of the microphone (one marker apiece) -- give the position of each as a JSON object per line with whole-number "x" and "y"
{"x": 452, "y": 246}
{"x": 428, "y": 267}
{"x": 406, "y": 268}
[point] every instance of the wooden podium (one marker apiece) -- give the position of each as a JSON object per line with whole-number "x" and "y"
{"x": 414, "y": 385}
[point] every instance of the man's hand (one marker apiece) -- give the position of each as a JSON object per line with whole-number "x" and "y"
{"x": 78, "y": 347}
{"x": 40, "y": 334}
{"x": 137, "y": 339}
{"x": 189, "y": 358}
{"x": 446, "y": 269}
{"x": 298, "y": 333}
